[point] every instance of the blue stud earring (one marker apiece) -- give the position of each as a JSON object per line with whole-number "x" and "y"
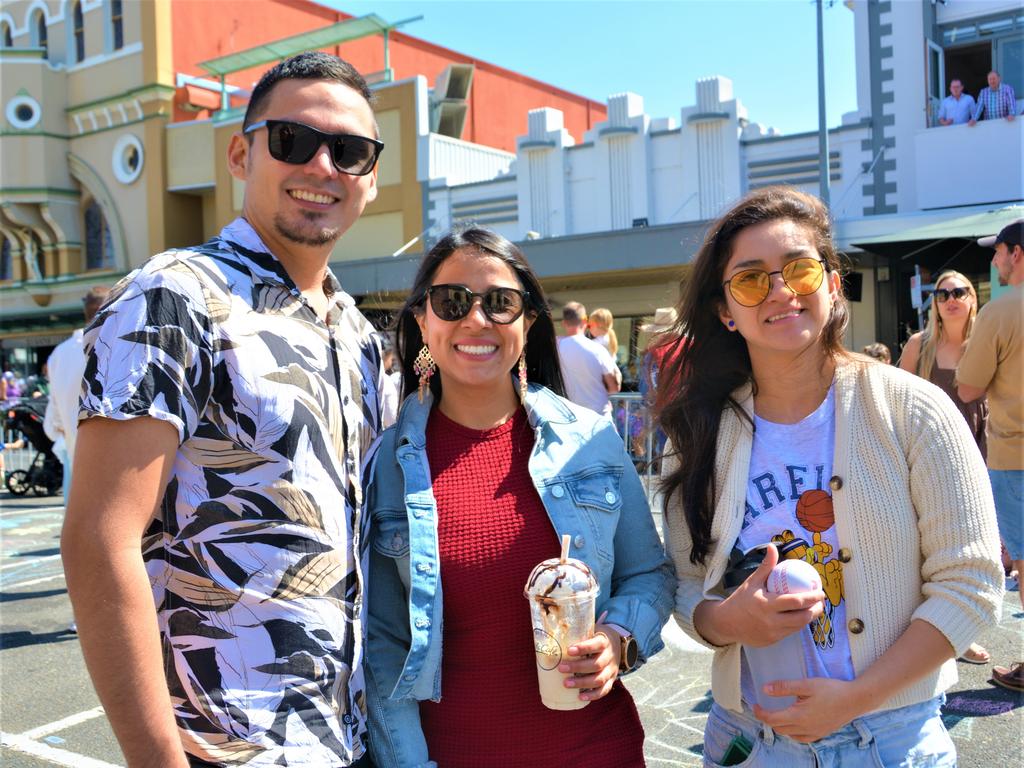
{"x": 731, "y": 325}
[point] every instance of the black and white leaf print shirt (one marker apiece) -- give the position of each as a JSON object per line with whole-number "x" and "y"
{"x": 252, "y": 554}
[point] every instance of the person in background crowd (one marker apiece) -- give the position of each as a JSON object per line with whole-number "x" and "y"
{"x": 65, "y": 366}
{"x": 661, "y": 348}
{"x": 779, "y": 434}
{"x": 992, "y": 365}
{"x": 486, "y": 468}
{"x": 589, "y": 372}
{"x": 934, "y": 354}
{"x": 599, "y": 326}
{"x": 878, "y": 351}
{"x": 958, "y": 107}
{"x": 995, "y": 101}
{"x": 232, "y": 395}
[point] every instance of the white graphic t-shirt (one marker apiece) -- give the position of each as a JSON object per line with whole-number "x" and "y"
{"x": 788, "y": 498}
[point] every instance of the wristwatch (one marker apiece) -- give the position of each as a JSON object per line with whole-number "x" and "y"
{"x": 629, "y": 652}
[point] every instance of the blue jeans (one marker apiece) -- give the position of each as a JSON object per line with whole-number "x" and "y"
{"x": 1008, "y": 489}
{"x": 908, "y": 736}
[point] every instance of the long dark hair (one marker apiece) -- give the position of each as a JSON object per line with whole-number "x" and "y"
{"x": 708, "y": 363}
{"x": 541, "y": 347}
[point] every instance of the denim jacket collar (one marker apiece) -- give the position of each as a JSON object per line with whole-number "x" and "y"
{"x": 542, "y": 407}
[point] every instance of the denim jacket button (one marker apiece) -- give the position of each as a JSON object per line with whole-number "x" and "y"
{"x": 409, "y": 678}
{"x": 609, "y": 497}
{"x": 422, "y": 623}
{"x": 423, "y": 567}
{"x": 396, "y": 541}
{"x": 558, "y": 491}
{"x": 579, "y": 541}
{"x": 419, "y": 513}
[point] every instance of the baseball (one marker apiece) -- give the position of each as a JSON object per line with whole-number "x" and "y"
{"x": 791, "y": 576}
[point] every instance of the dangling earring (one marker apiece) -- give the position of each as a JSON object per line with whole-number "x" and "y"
{"x": 522, "y": 377}
{"x": 424, "y": 367}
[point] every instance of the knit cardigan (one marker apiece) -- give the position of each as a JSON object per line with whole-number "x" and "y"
{"x": 913, "y": 506}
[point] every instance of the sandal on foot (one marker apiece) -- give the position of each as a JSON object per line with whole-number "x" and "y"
{"x": 1011, "y": 678}
{"x": 975, "y": 654}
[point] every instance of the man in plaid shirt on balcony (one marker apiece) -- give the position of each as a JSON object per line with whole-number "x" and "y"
{"x": 996, "y": 101}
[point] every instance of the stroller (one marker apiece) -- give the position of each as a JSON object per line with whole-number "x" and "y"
{"x": 45, "y": 474}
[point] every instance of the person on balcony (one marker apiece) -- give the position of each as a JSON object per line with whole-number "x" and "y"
{"x": 958, "y": 107}
{"x": 995, "y": 101}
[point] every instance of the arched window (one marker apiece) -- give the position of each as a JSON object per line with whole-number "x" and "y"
{"x": 7, "y": 41}
{"x": 6, "y": 268}
{"x": 40, "y": 33}
{"x": 117, "y": 23}
{"x": 79, "y": 31}
{"x": 99, "y": 246}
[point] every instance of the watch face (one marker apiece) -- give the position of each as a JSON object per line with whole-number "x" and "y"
{"x": 630, "y": 653}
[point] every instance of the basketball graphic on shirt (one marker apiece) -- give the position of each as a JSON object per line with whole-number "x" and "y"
{"x": 814, "y": 511}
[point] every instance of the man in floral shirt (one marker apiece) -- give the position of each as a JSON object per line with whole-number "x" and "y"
{"x": 231, "y": 395}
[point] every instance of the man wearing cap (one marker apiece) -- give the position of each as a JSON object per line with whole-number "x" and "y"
{"x": 588, "y": 369}
{"x": 993, "y": 365}
{"x": 231, "y": 399}
{"x": 64, "y": 368}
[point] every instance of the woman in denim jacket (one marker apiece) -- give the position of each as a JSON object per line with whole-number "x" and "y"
{"x": 485, "y": 469}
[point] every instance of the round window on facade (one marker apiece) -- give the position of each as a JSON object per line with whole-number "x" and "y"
{"x": 128, "y": 159}
{"x": 23, "y": 112}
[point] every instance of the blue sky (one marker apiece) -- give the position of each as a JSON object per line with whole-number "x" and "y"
{"x": 657, "y": 49}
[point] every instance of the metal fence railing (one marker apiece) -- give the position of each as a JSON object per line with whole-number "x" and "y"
{"x": 640, "y": 437}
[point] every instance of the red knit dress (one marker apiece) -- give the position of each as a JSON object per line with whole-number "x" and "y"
{"x": 492, "y": 531}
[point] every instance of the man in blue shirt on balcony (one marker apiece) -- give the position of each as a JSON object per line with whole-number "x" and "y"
{"x": 995, "y": 101}
{"x": 958, "y": 107}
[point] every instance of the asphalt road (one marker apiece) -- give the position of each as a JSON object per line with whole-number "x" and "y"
{"x": 50, "y": 716}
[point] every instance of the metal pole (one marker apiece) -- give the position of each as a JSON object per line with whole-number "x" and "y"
{"x": 823, "y": 160}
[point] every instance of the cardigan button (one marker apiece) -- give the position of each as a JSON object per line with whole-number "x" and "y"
{"x": 856, "y": 626}
{"x": 845, "y": 555}
{"x": 558, "y": 491}
{"x": 836, "y": 483}
{"x": 579, "y": 541}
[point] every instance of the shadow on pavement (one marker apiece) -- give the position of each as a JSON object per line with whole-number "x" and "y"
{"x": 21, "y": 639}
{"x": 38, "y": 552}
{"x": 11, "y": 597}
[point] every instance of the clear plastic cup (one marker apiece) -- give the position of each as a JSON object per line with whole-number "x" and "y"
{"x": 562, "y": 599}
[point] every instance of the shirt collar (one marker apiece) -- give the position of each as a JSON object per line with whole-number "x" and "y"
{"x": 249, "y": 248}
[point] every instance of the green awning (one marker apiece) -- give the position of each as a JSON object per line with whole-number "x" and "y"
{"x": 343, "y": 31}
{"x": 965, "y": 228}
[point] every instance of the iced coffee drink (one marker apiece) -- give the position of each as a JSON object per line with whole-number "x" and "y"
{"x": 562, "y": 592}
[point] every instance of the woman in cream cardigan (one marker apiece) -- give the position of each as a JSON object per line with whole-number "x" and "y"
{"x": 864, "y": 471}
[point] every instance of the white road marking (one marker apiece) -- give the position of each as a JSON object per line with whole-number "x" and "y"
{"x": 29, "y": 511}
{"x": 27, "y": 562}
{"x": 10, "y": 584}
{"x": 22, "y": 743}
{"x": 60, "y": 725}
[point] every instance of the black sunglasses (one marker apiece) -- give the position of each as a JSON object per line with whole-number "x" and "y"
{"x": 296, "y": 143}
{"x": 500, "y": 305}
{"x": 942, "y": 295}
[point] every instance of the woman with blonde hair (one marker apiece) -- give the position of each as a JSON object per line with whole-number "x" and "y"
{"x": 600, "y": 327}
{"x": 934, "y": 354}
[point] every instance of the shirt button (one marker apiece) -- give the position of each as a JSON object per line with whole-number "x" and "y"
{"x": 558, "y": 491}
{"x": 835, "y": 483}
{"x": 609, "y": 497}
{"x": 579, "y": 541}
{"x": 845, "y": 555}
{"x": 422, "y": 623}
{"x": 856, "y": 626}
{"x": 423, "y": 567}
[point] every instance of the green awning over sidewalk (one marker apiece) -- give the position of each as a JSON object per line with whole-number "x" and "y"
{"x": 966, "y": 228}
